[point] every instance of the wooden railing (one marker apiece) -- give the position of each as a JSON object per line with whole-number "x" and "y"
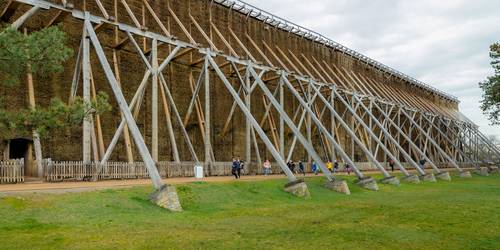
{"x": 12, "y": 171}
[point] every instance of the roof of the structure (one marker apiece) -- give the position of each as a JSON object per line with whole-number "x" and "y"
{"x": 270, "y": 19}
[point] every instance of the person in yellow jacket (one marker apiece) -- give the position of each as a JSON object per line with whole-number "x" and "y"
{"x": 329, "y": 165}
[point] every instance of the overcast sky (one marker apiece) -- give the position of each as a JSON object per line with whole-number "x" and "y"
{"x": 443, "y": 43}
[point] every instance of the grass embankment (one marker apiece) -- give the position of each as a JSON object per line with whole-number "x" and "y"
{"x": 464, "y": 213}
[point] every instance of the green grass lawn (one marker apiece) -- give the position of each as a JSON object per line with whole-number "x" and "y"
{"x": 462, "y": 214}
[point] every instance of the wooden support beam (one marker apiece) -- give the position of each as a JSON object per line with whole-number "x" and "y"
{"x": 259, "y": 50}
{"x": 275, "y": 56}
{"x": 102, "y": 9}
{"x": 131, "y": 14}
{"x": 120, "y": 44}
{"x": 181, "y": 25}
{"x": 229, "y": 47}
{"x": 182, "y": 53}
{"x": 237, "y": 39}
{"x": 155, "y": 17}
{"x": 57, "y": 18}
{"x": 200, "y": 29}
{"x": 9, "y": 10}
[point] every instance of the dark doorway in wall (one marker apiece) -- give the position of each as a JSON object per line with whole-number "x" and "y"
{"x": 21, "y": 148}
{"x": 18, "y": 148}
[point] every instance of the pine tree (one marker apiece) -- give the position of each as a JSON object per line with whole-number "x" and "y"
{"x": 40, "y": 53}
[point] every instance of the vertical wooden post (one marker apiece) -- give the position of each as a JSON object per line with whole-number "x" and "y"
{"x": 86, "y": 98}
{"x": 154, "y": 100}
{"x": 248, "y": 139}
{"x": 309, "y": 125}
{"x": 208, "y": 158}
{"x": 282, "y": 120}
{"x": 332, "y": 123}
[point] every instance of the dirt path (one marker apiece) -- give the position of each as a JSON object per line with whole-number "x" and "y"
{"x": 81, "y": 186}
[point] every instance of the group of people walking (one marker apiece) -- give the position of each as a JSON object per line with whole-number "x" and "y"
{"x": 302, "y": 169}
{"x": 332, "y": 166}
{"x": 237, "y": 167}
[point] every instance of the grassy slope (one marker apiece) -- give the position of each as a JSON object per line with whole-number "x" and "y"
{"x": 460, "y": 214}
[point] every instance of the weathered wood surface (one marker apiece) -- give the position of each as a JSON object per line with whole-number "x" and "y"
{"x": 12, "y": 171}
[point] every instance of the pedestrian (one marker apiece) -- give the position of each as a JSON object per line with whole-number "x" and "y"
{"x": 347, "y": 169}
{"x": 238, "y": 169}
{"x": 291, "y": 166}
{"x": 267, "y": 167}
{"x": 235, "y": 168}
{"x": 315, "y": 168}
{"x": 422, "y": 163}
{"x": 242, "y": 167}
{"x": 302, "y": 169}
{"x": 335, "y": 167}
{"x": 329, "y": 165}
{"x": 391, "y": 164}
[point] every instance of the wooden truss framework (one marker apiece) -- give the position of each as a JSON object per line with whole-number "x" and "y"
{"x": 379, "y": 119}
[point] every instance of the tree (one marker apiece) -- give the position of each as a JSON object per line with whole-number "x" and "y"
{"x": 490, "y": 104}
{"x": 40, "y": 53}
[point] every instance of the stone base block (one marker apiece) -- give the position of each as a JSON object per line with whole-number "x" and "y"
{"x": 428, "y": 177}
{"x": 166, "y": 197}
{"x": 411, "y": 179}
{"x": 338, "y": 186}
{"x": 445, "y": 176}
{"x": 368, "y": 183}
{"x": 465, "y": 174}
{"x": 484, "y": 171}
{"x": 391, "y": 180}
{"x": 297, "y": 188}
{"x": 494, "y": 170}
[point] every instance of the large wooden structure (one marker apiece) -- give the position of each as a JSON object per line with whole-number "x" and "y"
{"x": 204, "y": 81}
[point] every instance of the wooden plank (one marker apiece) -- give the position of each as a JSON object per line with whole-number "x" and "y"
{"x": 181, "y": 25}
{"x": 200, "y": 29}
{"x": 219, "y": 34}
{"x": 9, "y": 10}
{"x": 131, "y": 14}
{"x": 155, "y": 17}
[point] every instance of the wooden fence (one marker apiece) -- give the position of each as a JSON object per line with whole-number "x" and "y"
{"x": 76, "y": 170}
{"x": 12, "y": 171}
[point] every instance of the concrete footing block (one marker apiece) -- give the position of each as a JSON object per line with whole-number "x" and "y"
{"x": 494, "y": 170}
{"x": 445, "y": 176}
{"x": 338, "y": 186}
{"x": 166, "y": 197}
{"x": 465, "y": 174}
{"x": 297, "y": 188}
{"x": 391, "y": 180}
{"x": 411, "y": 179}
{"x": 368, "y": 183}
{"x": 428, "y": 177}
{"x": 484, "y": 171}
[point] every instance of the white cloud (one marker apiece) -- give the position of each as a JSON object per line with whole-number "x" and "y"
{"x": 443, "y": 43}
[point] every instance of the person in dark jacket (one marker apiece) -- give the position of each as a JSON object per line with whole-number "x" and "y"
{"x": 291, "y": 166}
{"x": 391, "y": 164}
{"x": 302, "y": 168}
{"x": 422, "y": 163}
{"x": 335, "y": 167}
{"x": 348, "y": 168}
{"x": 235, "y": 168}
{"x": 242, "y": 168}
